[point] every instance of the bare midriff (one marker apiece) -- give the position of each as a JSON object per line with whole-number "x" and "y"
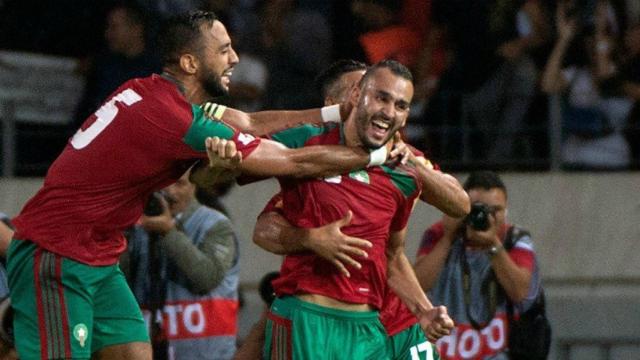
{"x": 333, "y": 303}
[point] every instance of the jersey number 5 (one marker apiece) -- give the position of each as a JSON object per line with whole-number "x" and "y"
{"x": 104, "y": 117}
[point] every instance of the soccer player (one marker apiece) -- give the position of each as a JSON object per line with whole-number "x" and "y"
{"x": 400, "y": 324}
{"x": 69, "y": 297}
{"x": 315, "y": 301}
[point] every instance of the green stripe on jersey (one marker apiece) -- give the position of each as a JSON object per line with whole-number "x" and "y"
{"x": 202, "y": 127}
{"x": 402, "y": 180}
{"x": 298, "y": 136}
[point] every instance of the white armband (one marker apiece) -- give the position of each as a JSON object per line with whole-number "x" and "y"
{"x": 331, "y": 113}
{"x": 378, "y": 156}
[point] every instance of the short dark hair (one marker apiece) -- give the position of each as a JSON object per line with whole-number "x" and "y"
{"x": 182, "y": 33}
{"x": 394, "y": 66}
{"x": 486, "y": 180}
{"x": 327, "y": 78}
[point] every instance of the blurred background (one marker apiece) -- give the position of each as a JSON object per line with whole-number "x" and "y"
{"x": 545, "y": 92}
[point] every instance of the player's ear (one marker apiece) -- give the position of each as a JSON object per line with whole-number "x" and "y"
{"x": 354, "y": 97}
{"x": 189, "y": 64}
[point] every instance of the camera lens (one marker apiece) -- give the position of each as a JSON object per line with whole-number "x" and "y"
{"x": 478, "y": 217}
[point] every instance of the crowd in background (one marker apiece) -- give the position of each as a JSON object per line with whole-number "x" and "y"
{"x": 490, "y": 74}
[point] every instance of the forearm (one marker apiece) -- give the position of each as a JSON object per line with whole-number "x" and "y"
{"x": 402, "y": 280}
{"x": 552, "y": 80}
{"x": 513, "y": 279}
{"x": 204, "y": 265}
{"x": 443, "y": 191}
{"x": 273, "y": 159}
{"x": 275, "y": 234}
{"x": 429, "y": 266}
{"x": 266, "y": 122}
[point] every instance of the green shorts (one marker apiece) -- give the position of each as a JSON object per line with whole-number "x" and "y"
{"x": 411, "y": 344}
{"x": 66, "y": 309}
{"x": 300, "y": 330}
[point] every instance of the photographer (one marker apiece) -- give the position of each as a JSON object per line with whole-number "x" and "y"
{"x": 464, "y": 265}
{"x": 182, "y": 262}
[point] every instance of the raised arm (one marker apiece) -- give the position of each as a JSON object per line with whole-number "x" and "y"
{"x": 552, "y": 81}
{"x": 401, "y": 278}
{"x": 266, "y": 122}
{"x": 442, "y": 190}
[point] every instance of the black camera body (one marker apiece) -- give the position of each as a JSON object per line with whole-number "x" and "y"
{"x": 478, "y": 217}
{"x": 153, "y": 207}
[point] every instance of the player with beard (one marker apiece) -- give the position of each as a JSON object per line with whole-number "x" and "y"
{"x": 405, "y": 334}
{"x": 69, "y": 297}
{"x": 321, "y": 311}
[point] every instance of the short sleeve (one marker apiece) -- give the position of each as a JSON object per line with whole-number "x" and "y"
{"x": 430, "y": 238}
{"x": 274, "y": 205}
{"x": 202, "y": 127}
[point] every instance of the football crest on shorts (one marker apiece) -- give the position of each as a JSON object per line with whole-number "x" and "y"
{"x": 81, "y": 333}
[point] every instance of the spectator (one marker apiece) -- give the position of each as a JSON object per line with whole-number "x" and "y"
{"x": 490, "y": 74}
{"x": 594, "y": 108}
{"x": 298, "y": 45}
{"x": 184, "y": 263}
{"x": 451, "y": 245}
{"x": 383, "y": 28}
{"x": 631, "y": 74}
{"x": 7, "y": 350}
{"x": 126, "y": 56}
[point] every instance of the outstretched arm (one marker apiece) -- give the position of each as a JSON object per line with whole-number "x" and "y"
{"x": 274, "y": 159}
{"x": 266, "y": 122}
{"x": 401, "y": 278}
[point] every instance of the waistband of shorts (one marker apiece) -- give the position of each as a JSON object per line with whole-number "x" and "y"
{"x": 292, "y": 301}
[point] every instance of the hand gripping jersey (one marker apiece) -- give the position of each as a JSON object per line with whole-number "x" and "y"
{"x": 381, "y": 199}
{"x": 144, "y": 137}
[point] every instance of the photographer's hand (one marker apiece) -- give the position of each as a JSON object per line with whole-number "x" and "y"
{"x": 160, "y": 224}
{"x": 484, "y": 239}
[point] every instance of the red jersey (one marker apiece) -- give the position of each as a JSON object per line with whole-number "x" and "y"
{"x": 141, "y": 140}
{"x": 381, "y": 199}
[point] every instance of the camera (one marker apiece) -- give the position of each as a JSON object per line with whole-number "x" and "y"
{"x": 478, "y": 217}
{"x": 153, "y": 206}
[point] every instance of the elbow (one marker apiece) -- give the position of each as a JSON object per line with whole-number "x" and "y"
{"x": 519, "y": 295}
{"x": 261, "y": 237}
{"x": 463, "y": 205}
{"x": 205, "y": 285}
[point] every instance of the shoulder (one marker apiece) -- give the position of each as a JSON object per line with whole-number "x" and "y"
{"x": 520, "y": 238}
{"x": 430, "y": 238}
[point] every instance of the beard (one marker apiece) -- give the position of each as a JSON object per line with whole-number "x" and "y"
{"x": 363, "y": 121}
{"x": 212, "y": 84}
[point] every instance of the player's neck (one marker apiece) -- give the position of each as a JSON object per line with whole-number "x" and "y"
{"x": 350, "y": 132}
{"x": 191, "y": 90}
